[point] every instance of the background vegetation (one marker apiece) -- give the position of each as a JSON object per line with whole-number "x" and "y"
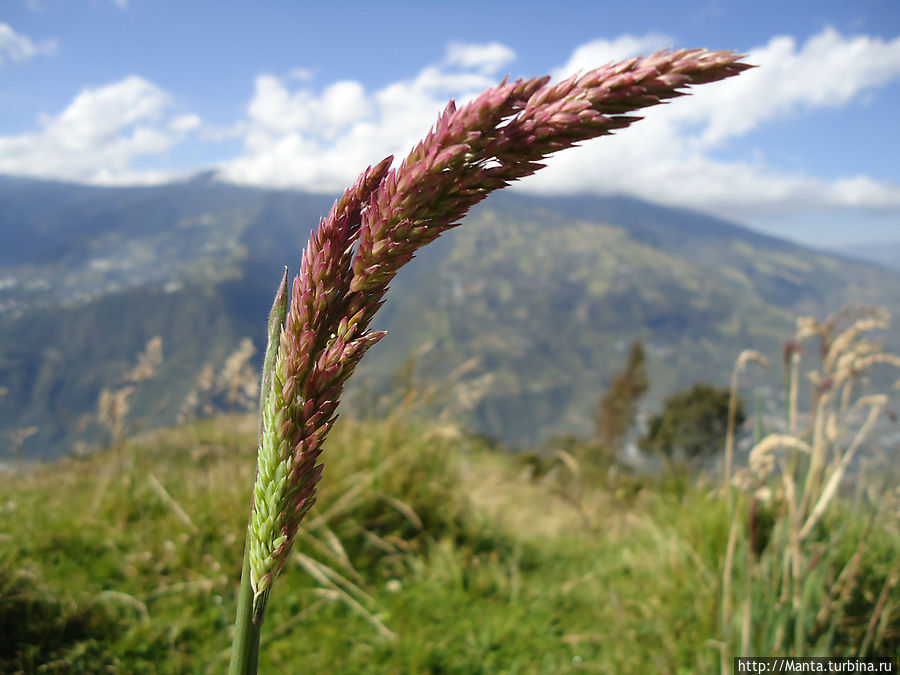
{"x": 434, "y": 551}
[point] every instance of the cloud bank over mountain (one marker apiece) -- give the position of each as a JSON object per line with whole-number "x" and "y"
{"x": 296, "y": 132}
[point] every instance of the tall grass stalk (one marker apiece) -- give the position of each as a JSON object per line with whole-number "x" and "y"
{"x": 789, "y": 533}
{"x": 372, "y": 231}
{"x": 746, "y": 357}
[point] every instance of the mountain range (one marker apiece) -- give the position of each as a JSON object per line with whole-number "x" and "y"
{"x": 157, "y": 297}
{"x": 884, "y": 253}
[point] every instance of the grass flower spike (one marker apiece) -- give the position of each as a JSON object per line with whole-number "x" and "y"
{"x": 376, "y": 227}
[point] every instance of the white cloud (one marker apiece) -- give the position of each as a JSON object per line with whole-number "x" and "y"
{"x": 277, "y": 110}
{"x": 600, "y": 52}
{"x": 302, "y": 73}
{"x": 99, "y": 134}
{"x": 670, "y": 157}
{"x": 19, "y": 48}
{"x": 487, "y": 59}
{"x": 184, "y": 123}
{"x": 829, "y": 70}
{"x": 121, "y": 4}
{"x": 321, "y": 140}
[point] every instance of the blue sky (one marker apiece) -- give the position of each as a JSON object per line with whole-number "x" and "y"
{"x": 293, "y": 94}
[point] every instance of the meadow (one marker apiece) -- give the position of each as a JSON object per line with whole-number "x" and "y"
{"x": 430, "y": 550}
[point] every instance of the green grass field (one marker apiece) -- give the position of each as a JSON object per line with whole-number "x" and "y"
{"x": 428, "y": 552}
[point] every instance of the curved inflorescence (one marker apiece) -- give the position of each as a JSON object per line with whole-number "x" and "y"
{"x": 376, "y": 227}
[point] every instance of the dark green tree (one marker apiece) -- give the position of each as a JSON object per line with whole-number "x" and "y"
{"x": 615, "y": 414}
{"x": 692, "y": 424}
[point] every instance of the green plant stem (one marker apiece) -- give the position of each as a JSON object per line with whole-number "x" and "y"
{"x": 245, "y": 646}
{"x": 248, "y": 621}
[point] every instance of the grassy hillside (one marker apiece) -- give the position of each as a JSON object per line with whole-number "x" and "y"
{"x": 427, "y": 552}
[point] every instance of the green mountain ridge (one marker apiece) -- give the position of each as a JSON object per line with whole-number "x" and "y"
{"x": 519, "y": 316}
